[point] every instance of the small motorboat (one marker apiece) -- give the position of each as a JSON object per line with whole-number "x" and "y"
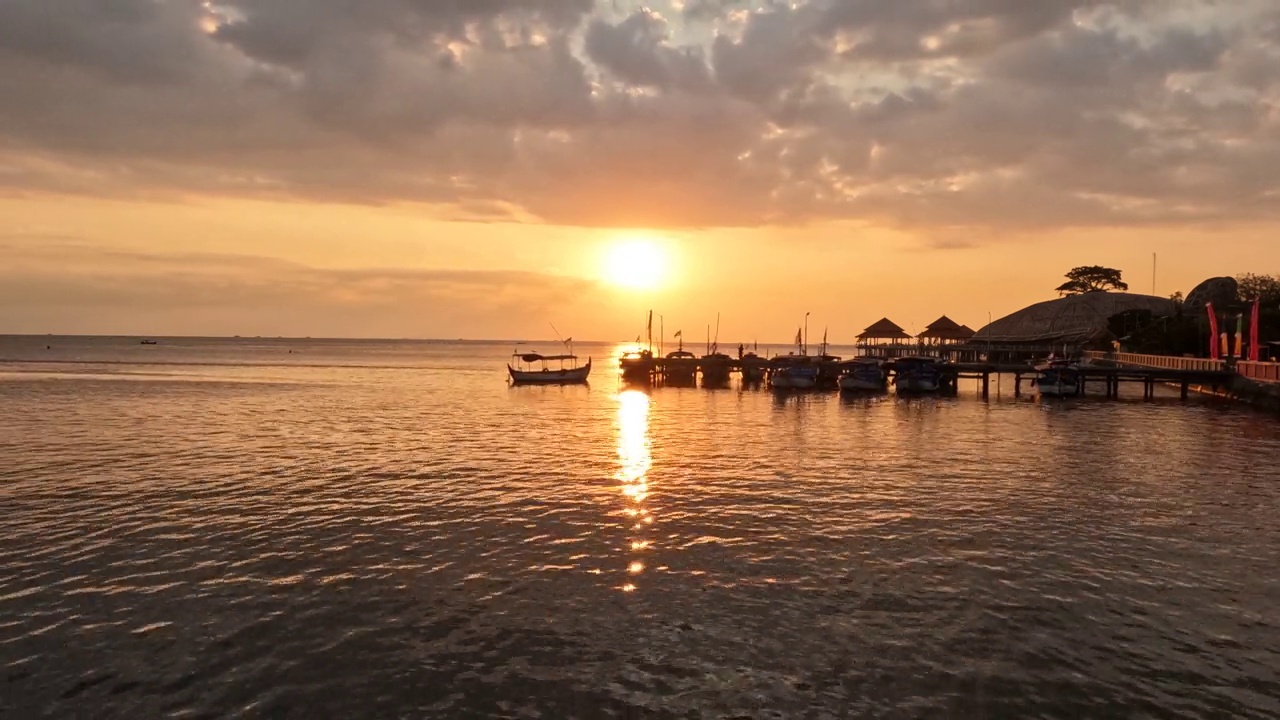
{"x": 794, "y": 372}
{"x": 637, "y": 366}
{"x": 544, "y": 374}
{"x": 754, "y": 368}
{"x": 681, "y": 368}
{"x": 1058, "y": 378}
{"x": 149, "y": 342}
{"x": 716, "y": 367}
{"x": 917, "y": 374}
{"x": 864, "y": 374}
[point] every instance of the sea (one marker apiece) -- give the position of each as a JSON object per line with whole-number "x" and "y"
{"x": 248, "y": 527}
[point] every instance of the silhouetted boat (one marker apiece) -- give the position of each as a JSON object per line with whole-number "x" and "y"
{"x": 794, "y": 372}
{"x": 864, "y": 374}
{"x": 715, "y": 369}
{"x": 637, "y": 366}
{"x": 681, "y": 368}
{"x": 149, "y": 342}
{"x": 547, "y": 375}
{"x": 753, "y": 368}
{"x": 1058, "y": 378}
{"x": 917, "y": 374}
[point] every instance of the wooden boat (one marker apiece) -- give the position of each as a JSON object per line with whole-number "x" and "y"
{"x": 793, "y": 372}
{"x": 1058, "y": 378}
{"x": 149, "y": 342}
{"x": 716, "y": 367}
{"x": 917, "y": 374}
{"x": 681, "y": 368}
{"x": 754, "y": 368}
{"x": 637, "y": 366}
{"x": 545, "y": 374}
{"x": 864, "y": 374}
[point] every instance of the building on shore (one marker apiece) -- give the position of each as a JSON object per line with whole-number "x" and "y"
{"x": 885, "y": 338}
{"x": 1065, "y": 325}
{"x": 944, "y": 331}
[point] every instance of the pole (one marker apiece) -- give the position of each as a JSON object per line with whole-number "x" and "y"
{"x": 662, "y": 333}
{"x": 1153, "y": 273}
{"x": 805, "y": 349}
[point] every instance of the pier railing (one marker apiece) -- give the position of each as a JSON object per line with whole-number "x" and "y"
{"x": 1168, "y": 362}
{"x": 1259, "y": 371}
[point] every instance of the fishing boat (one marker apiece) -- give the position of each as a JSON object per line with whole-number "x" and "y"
{"x": 535, "y": 369}
{"x": 681, "y": 368}
{"x": 864, "y": 374}
{"x": 1058, "y": 378}
{"x": 715, "y": 369}
{"x": 637, "y": 366}
{"x": 149, "y": 342}
{"x": 794, "y": 372}
{"x": 917, "y": 374}
{"x": 754, "y": 368}
{"x": 715, "y": 365}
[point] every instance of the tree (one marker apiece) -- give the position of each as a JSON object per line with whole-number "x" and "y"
{"x": 1265, "y": 288}
{"x": 1091, "y": 278}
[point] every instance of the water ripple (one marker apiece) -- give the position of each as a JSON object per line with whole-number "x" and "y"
{"x": 349, "y": 537}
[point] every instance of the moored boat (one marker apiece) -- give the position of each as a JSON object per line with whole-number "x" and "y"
{"x": 864, "y": 374}
{"x": 543, "y": 373}
{"x": 793, "y": 372}
{"x": 1058, "y": 378}
{"x": 917, "y": 374}
{"x": 637, "y": 366}
{"x": 753, "y": 368}
{"x": 680, "y": 368}
{"x": 716, "y": 367}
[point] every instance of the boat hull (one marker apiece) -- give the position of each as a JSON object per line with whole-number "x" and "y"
{"x": 573, "y": 376}
{"x": 851, "y": 382}
{"x": 911, "y": 384}
{"x": 1057, "y": 388}
{"x": 794, "y": 383}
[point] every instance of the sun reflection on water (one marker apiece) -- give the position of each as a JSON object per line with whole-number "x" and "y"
{"x": 634, "y": 461}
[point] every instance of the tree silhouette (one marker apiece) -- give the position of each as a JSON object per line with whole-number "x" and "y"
{"x": 1264, "y": 288}
{"x": 1091, "y": 278}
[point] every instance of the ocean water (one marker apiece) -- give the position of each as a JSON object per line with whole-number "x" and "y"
{"x": 274, "y": 528}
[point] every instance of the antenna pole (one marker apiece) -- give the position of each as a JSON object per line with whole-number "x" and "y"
{"x": 1153, "y": 273}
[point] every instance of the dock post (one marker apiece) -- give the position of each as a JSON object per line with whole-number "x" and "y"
{"x": 1017, "y": 385}
{"x": 986, "y": 386}
{"x": 1184, "y": 390}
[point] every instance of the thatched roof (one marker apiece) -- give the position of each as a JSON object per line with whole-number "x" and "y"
{"x": 1076, "y": 318}
{"x": 884, "y": 329}
{"x": 944, "y": 328}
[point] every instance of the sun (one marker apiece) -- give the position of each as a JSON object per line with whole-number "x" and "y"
{"x": 636, "y": 263}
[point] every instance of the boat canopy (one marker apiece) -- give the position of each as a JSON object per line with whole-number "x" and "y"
{"x": 535, "y": 357}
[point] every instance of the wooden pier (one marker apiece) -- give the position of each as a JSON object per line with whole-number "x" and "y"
{"x": 1093, "y": 373}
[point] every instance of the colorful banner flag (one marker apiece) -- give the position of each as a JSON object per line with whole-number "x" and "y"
{"x": 799, "y": 336}
{"x": 1213, "y": 331}
{"x": 1239, "y": 353}
{"x": 1255, "y": 352}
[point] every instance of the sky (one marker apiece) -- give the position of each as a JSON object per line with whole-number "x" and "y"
{"x": 486, "y": 168}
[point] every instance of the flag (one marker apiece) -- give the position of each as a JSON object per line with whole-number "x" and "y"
{"x": 649, "y": 327}
{"x": 1255, "y": 353}
{"x": 679, "y": 333}
{"x": 1240, "y": 335}
{"x": 568, "y": 340}
{"x": 1213, "y": 331}
{"x": 799, "y": 336}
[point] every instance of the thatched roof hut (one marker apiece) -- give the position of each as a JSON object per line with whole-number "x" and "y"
{"x": 884, "y": 329}
{"x": 1072, "y": 319}
{"x": 944, "y": 329}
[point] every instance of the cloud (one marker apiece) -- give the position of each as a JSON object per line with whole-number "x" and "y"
{"x": 52, "y": 284}
{"x": 986, "y": 116}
